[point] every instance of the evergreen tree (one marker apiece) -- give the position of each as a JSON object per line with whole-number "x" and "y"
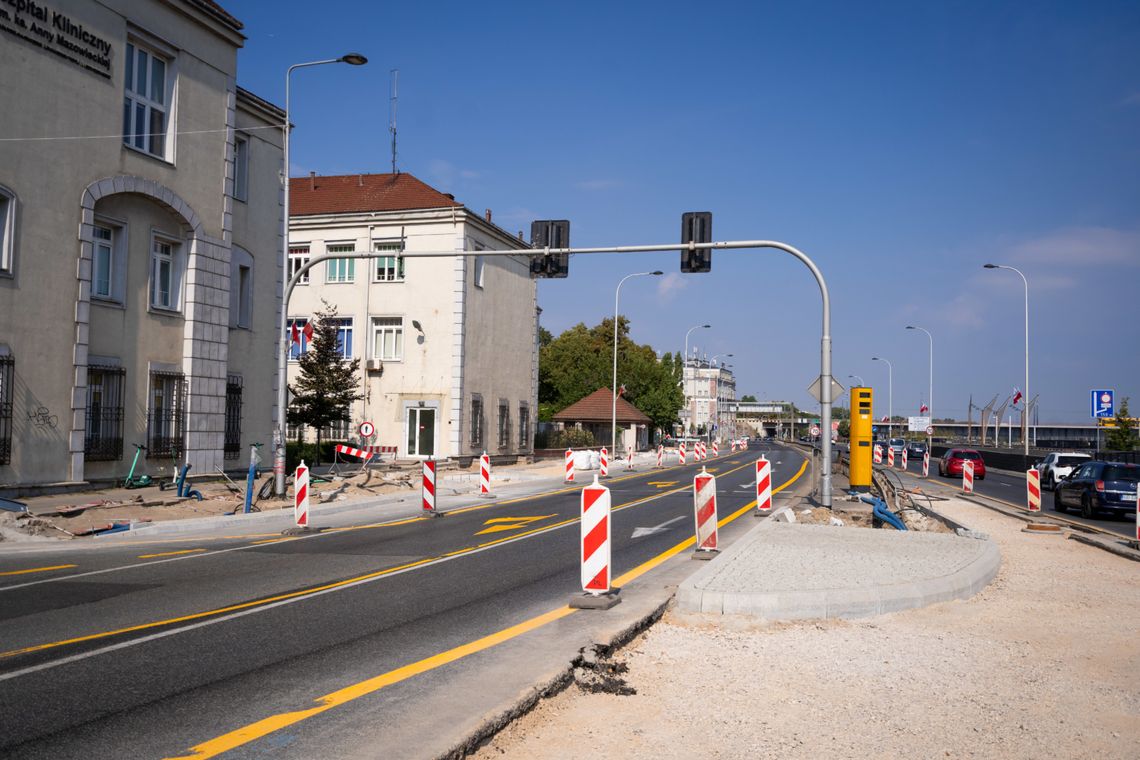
{"x": 327, "y": 385}
{"x": 1123, "y": 436}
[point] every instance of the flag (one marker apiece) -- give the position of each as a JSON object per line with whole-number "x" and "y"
{"x": 308, "y": 331}
{"x": 621, "y": 390}
{"x": 296, "y": 335}
{"x": 885, "y": 419}
{"x": 923, "y": 409}
{"x": 1016, "y": 396}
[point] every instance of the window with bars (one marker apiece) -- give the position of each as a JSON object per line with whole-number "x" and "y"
{"x": 524, "y": 427}
{"x": 476, "y": 420}
{"x": 103, "y": 440}
{"x": 231, "y": 445}
{"x": 299, "y": 257}
{"x": 504, "y": 424}
{"x": 166, "y": 416}
{"x": 7, "y": 370}
{"x": 341, "y": 270}
{"x": 389, "y": 268}
{"x": 146, "y": 100}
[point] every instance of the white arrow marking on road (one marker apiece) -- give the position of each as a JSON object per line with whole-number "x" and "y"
{"x": 639, "y": 532}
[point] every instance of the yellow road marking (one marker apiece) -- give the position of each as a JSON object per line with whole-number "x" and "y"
{"x": 662, "y": 483}
{"x": 266, "y": 726}
{"x": 499, "y": 524}
{"x": 36, "y": 570}
{"x": 171, "y": 554}
{"x": 277, "y": 540}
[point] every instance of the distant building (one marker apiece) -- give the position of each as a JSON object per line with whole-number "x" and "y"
{"x": 596, "y": 413}
{"x": 710, "y": 393}
{"x": 448, "y": 345}
{"x": 140, "y": 217}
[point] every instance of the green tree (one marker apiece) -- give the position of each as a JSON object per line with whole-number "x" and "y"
{"x": 327, "y": 384}
{"x": 1123, "y": 436}
{"x": 747, "y": 398}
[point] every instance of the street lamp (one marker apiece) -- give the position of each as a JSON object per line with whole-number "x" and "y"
{"x": 1025, "y": 413}
{"x": 613, "y": 405}
{"x": 856, "y": 377}
{"x": 712, "y": 363}
{"x": 930, "y": 396}
{"x": 685, "y": 362}
{"x": 890, "y": 393}
{"x": 353, "y": 59}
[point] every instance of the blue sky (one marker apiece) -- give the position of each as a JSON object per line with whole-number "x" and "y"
{"x": 900, "y": 145}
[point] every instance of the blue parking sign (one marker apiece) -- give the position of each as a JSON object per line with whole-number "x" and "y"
{"x": 1102, "y": 405}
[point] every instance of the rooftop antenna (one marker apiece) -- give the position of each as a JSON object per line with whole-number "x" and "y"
{"x": 393, "y": 94}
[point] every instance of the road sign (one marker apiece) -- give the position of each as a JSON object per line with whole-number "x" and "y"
{"x": 814, "y": 430}
{"x": 1102, "y": 403}
{"x": 917, "y": 424}
{"x": 836, "y": 390}
{"x": 874, "y": 428}
{"x": 367, "y": 429}
{"x": 930, "y": 430}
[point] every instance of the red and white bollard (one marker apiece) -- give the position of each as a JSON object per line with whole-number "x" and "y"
{"x": 926, "y": 463}
{"x": 301, "y": 496}
{"x": 716, "y": 449}
{"x": 704, "y": 509}
{"x": 968, "y": 476}
{"x": 732, "y": 448}
{"x": 660, "y": 456}
{"x": 903, "y": 459}
{"x": 485, "y": 476}
{"x": 890, "y": 457}
{"x": 877, "y": 456}
{"x": 681, "y": 452}
{"x": 595, "y": 525}
{"x": 763, "y": 486}
{"x": 1033, "y": 489}
{"x": 569, "y": 466}
{"x": 629, "y": 460}
{"x": 428, "y": 487}
{"x": 604, "y": 462}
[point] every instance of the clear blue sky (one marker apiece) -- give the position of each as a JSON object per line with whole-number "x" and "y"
{"x": 900, "y": 145}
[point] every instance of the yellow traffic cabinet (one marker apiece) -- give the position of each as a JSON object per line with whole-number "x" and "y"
{"x": 861, "y": 438}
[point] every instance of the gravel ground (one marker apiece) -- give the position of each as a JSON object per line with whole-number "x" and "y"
{"x": 1044, "y": 663}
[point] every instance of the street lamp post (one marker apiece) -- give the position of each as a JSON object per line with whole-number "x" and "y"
{"x": 712, "y": 362}
{"x": 890, "y": 392}
{"x": 685, "y": 363}
{"x": 930, "y": 394}
{"x": 353, "y": 59}
{"x": 1025, "y": 413}
{"x": 613, "y": 405}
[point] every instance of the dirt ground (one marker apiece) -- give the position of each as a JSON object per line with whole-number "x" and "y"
{"x": 1043, "y": 663}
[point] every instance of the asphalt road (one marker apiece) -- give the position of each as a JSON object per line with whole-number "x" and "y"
{"x": 387, "y": 639}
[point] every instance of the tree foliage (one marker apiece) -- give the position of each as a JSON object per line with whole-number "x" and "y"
{"x": 748, "y": 398}
{"x": 580, "y": 360}
{"x": 1123, "y": 436}
{"x": 327, "y": 384}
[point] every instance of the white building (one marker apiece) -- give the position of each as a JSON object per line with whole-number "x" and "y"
{"x": 140, "y": 209}
{"x": 448, "y": 345}
{"x": 710, "y": 390}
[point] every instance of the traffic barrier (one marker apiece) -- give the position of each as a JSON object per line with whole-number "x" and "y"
{"x": 716, "y": 449}
{"x": 877, "y": 454}
{"x": 364, "y": 452}
{"x": 660, "y": 456}
{"x": 629, "y": 460}
{"x": 732, "y": 449}
{"x": 926, "y": 464}
{"x": 903, "y": 459}
{"x": 485, "y": 476}
{"x": 968, "y": 476}
{"x": 604, "y": 462}
{"x": 763, "y": 486}
{"x": 569, "y": 465}
{"x": 681, "y": 451}
{"x": 1033, "y": 489}
{"x": 890, "y": 457}
{"x": 301, "y": 495}
{"x": 596, "y": 539}
{"x": 704, "y": 510}
{"x": 427, "y": 489}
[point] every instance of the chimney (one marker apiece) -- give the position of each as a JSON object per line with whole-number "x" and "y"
{"x": 360, "y": 180}
{"x": 520, "y": 235}
{"x": 312, "y": 180}
{"x": 487, "y": 215}
{"x": 450, "y": 196}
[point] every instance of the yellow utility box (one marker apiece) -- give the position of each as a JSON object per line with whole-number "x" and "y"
{"x": 861, "y": 421}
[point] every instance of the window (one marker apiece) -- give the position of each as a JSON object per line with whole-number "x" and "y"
{"x": 388, "y": 338}
{"x": 298, "y": 257}
{"x": 298, "y": 337}
{"x": 103, "y": 258}
{"x": 231, "y": 444}
{"x": 524, "y": 427}
{"x": 343, "y": 336}
{"x": 7, "y": 229}
{"x": 166, "y": 419}
{"x": 480, "y": 269}
{"x": 504, "y": 424}
{"x": 165, "y": 273}
{"x": 103, "y": 441}
{"x": 7, "y": 367}
{"x": 146, "y": 100}
{"x": 241, "y": 168}
{"x": 341, "y": 270}
{"x": 337, "y": 430}
{"x": 241, "y": 288}
{"x": 389, "y": 268}
{"x": 476, "y": 420}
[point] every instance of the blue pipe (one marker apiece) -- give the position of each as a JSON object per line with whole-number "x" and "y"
{"x": 881, "y": 512}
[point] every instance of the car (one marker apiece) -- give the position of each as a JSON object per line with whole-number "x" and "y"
{"x": 898, "y": 444}
{"x": 951, "y": 463}
{"x": 1098, "y": 487}
{"x": 915, "y": 448}
{"x": 1057, "y": 465}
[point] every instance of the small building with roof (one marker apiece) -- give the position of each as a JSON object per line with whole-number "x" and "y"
{"x": 595, "y": 413}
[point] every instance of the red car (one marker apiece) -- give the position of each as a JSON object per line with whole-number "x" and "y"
{"x": 951, "y": 463}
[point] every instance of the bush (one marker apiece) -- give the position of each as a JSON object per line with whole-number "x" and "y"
{"x": 571, "y": 438}
{"x": 295, "y": 452}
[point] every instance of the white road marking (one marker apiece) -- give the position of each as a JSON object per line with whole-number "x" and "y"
{"x": 639, "y": 532}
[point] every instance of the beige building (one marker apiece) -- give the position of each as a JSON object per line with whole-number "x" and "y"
{"x": 448, "y": 345}
{"x": 140, "y": 214}
{"x": 710, "y": 396}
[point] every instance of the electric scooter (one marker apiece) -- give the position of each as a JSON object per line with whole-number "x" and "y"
{"x": 142, "y": 481}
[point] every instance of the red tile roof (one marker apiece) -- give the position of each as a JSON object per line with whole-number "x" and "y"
{"x": 597, "y": 408}
{"x": 356, "y": 193}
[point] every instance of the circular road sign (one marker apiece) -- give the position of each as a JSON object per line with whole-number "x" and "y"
{"x": 815, "y": 430}
{"x": 930, "y": 430}
{"x": 367, "y": 429}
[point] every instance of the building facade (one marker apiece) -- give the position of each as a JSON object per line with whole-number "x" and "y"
{"x": 448, "y": 344}
{"x": 710, "y": 393}
{"x": 140, "y": 215}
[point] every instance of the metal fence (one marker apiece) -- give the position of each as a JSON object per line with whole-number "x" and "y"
{"x": 232, "y": 444}
{"x": 103, "y": 438}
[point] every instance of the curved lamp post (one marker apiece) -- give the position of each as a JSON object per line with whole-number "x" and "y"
{"x": 613, "y": 404}
{"x": 930, "y": 397}
{"x": 685, "y": 363}
{"x": 890, "y": 393}
{"x": 1025, "y": 414}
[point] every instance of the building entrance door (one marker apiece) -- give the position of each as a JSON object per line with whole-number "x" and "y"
{"x": 421, "y": 431}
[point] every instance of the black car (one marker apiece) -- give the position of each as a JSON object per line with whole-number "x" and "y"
{"x": 1098, "y": 486}
{"x": 915, "y": 448}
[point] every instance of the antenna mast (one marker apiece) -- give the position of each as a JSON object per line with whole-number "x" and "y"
{"x": 393, "y": 94}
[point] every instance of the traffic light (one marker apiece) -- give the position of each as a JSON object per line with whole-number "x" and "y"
{"x": 550, "y": 233}
{"x": 696, "y": 227}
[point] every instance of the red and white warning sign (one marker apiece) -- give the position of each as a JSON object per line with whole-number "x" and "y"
{"x": 763, "y": 485}
{"x": 596, "y": 539}
{"x": 968, "y": 476}
{"x": 1033, "y": 489}
{"x": 704, "y": 508}
{"x": 366, "y": 430}
{"x": 301, "y": 495}
{"x": 428, "y": 488}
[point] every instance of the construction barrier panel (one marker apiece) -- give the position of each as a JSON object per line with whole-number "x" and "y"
{"x": 704, "y": 509}
{"x": 485, "y": 476}
{"x": 604, "y": 462}
{"x": 428, "y": 487}
{"x": 596, "y": 539}
{"x": 569, "y": 466}
{"x": 681, "y": 452}
{"x": 1033, "y": 489}
{"x": 903, "y": 465}
{"x": 301, "y": 495}
{"x": 890, "y": 457}
{"x": 968, "y": 476}
{"x": 926, "y": 464}
{"x": 763, "y": 485}
{"x": 660, "y": 456}
{"x": 878, "y": 455}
